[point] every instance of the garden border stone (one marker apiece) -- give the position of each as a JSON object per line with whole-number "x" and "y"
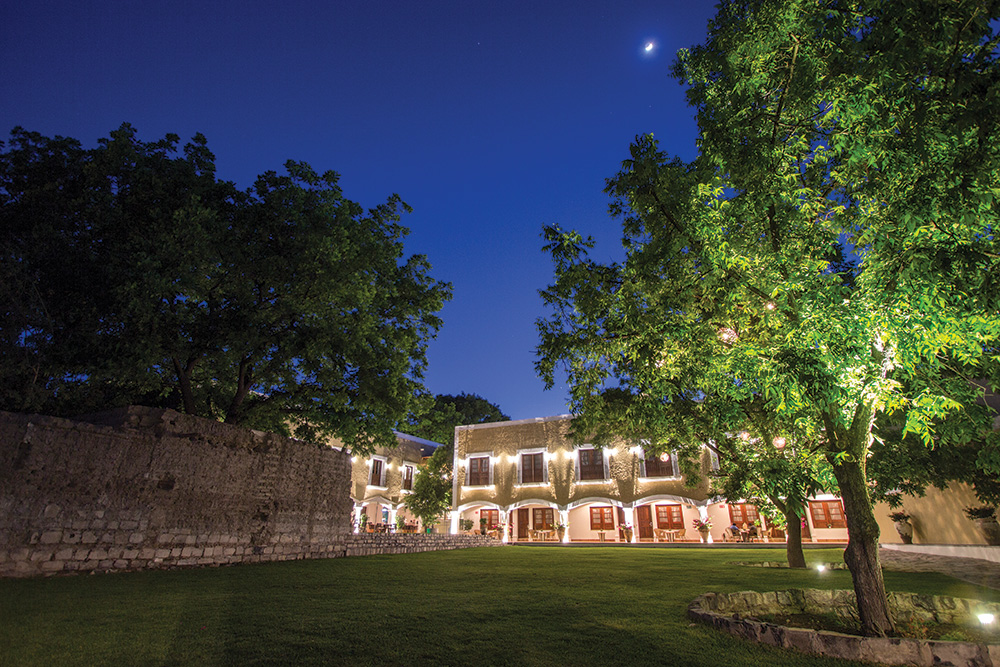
{"x": 733, "y": 613}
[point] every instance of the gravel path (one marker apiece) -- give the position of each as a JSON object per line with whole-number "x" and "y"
{"x": 975, "y": 571}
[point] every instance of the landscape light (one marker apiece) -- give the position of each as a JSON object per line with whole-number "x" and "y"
{"x": 821, "y": 568}
{"x": 986, "y": 619}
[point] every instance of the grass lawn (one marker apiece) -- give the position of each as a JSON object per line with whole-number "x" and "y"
{"x": 509, "y": 606}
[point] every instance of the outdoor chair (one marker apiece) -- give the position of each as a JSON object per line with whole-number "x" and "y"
{"x": 679, "y": 535}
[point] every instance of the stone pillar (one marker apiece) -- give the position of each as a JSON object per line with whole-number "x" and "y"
{"x": 357, "y": 516}
{"x": 392, "y": 518}
{"x": 564, "y": 520}
{"x": 454, "y": 522}
{"x": 630, "y": 520}
{"x": 703, "y": 515}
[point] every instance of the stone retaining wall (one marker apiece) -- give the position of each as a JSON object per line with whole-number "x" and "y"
{"x": 369, "y": 545}
{"x": 733, "y": 613}
{"x": 144, "y": 488}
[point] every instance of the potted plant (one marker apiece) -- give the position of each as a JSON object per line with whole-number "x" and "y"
{"x": 985, "y": 518}
{"x": 902, "y": 522}
{"x": 703, "y": 526}
{"x": 627, "y": 531}
{"x": 400, "y": 524}
{"x": 465, "y": 525}
{"x": 362, "y": 523}
{"x": 561, "y": 531}
{"x": 482, "y": 526}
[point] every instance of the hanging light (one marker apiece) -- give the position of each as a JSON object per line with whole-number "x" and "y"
{"x": 664, "y": 457}
{"x": 779, "y": 443}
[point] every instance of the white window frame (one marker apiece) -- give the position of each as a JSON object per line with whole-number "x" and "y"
{"x": 385, "y": 467}
{"x": 605, "y": 455}
{"x": 402, "y": 476}
{"x": 468, "y": 467}
{"x": 673, "y": 465}
{"x": 545, "y": 466}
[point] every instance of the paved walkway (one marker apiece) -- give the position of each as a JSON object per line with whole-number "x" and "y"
{"x": 975, "y": 571}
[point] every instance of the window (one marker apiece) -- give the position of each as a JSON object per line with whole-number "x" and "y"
{"x": 542, "y": 518}
{"x": 591, "y": 464}
{"x": 532, "y": 468}
{"x": 827, "y": 514}
{"x": 377, "y": 475}
{"x": 602, "y": 518}
{"x": 479, "y": 471}
{"x": 492, "y": 518}
{"x": 742, "y": 513}
{"x": 655, "y": 466}
{"x": 407, "y": 478}
{"x": 669, "y": 517}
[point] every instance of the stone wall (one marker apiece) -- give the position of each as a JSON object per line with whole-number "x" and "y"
{"x": 382, "y": 543}
{"x": 146, "y": 488}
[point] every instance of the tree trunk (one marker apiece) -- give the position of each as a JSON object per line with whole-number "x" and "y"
{"x": 861, "y": 554}
{"x": 793, "y": 533}
{"x": 793, "y": 541}
{"x": 184, "y": 384}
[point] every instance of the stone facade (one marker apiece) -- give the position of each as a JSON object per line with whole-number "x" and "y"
{"x": 147, "y": 488}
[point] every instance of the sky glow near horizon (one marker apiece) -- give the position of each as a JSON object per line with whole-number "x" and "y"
{"x": 489, "y": 120}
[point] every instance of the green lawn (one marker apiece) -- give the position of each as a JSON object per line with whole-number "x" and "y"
{"x": 510, "y": 606}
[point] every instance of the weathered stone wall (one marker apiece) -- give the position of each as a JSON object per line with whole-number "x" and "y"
{"x": 147, "y": 488}
{"x": 385, "y": 543}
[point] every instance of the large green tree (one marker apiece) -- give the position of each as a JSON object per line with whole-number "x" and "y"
{"x": 826, "y": 129}
{"x": 437, "y": 421}
{"x": 431, "y": 495}
{"x": 132, "y": 275}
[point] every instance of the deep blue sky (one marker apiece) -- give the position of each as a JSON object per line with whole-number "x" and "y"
{"x": 489, "y": 118}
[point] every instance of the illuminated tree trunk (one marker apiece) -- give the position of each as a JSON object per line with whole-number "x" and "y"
{"x": 793, "y": 541}
{"x": 861, "y": 554}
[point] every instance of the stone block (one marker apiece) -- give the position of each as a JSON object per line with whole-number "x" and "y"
{"x": 64, "y": 554}
{"x": 957, "y": 653}
{"x": 20, "y": 554}
{"x": 121, "y": 564}
{"x": 52, "y": 511}
{"x": 136, "y": 538}
{"x": 840, "y": 645}
{"x": 81, "y": 554}
{"x": 147, "y": 553}
{"x": 53, "y": 565}
{"x": 98, "y": 554}
{"x": 72, "y": 538}
{"x": 130, "y": 554}
{"x": 40, "y": 555}
{"x": 162, "y": 553}
{"x": 51, "y": 537}
{"x": 89, "y": 537}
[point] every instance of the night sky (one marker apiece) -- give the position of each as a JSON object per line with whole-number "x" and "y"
{"x": 490, "y": 119}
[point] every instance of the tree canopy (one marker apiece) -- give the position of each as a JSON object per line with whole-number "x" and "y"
{"x": 438, "y": 421}
{"x": 131, "y": 274}
{"x": 831, "y": 251}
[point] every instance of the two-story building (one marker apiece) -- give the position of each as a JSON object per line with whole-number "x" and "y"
{"x": 526, "y": 480}
{"x": 380, "y": 482}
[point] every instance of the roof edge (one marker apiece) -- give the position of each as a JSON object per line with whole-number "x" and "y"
{"x": 517, "y": 422}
